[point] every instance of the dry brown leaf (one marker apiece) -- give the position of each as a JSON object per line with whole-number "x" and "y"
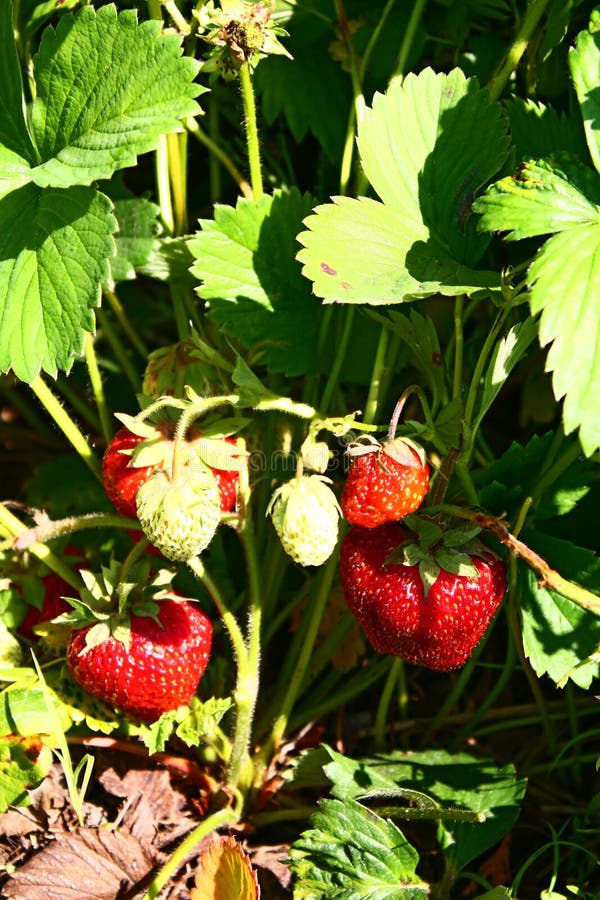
{"x": 17, "y": 822}
{"x": 90, "y": 864}
{"x": 225, "y": 872}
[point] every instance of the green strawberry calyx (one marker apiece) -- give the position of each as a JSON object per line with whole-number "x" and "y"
{"x": 434, "y": 548}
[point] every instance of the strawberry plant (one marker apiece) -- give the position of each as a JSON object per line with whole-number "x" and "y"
{"x": 298, "y": 380}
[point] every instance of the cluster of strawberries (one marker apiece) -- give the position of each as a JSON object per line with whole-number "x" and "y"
{"x": 423, "y": 594}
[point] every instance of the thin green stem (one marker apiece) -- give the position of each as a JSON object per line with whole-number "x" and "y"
{"x": 219, "y": 154}
{"x": 252, "y": 139}
{"x": 51, "y": 529}
{"x": 246, "y": 691}
{"x": 459, "y": 305}
{"x": 182, "y": 322}
{"x": 358, "y": 105}
{"x": 229, "y": 621}
{"x": 163, "y": 187}
{"x": 179, "y": 21}
{"x": 78, "y": 403}
{"x": 177, "y": 156}
{"x": 531, "y": 19}
{"x": 119, "y": 351}
{"x": 216, "y": 820}
{"x": 66, "y": 424}
{"x": 295, "y": 683}
{"x": 377, "y": 377}
{"x": 366, "y": 57}
{"x": 484, "y": 355}
{"x": 383, "y": 708}
{"x": 13, "y": 527}
{"x": 98, "y": 388}
{"x": 408, "y": 38}
{"x": 121, "y": 317}
{"x": 338, "y": 360}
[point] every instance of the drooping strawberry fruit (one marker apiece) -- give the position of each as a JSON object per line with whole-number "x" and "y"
{"x": 135, "y": 643}
{"x": 160, "y": 669}
{"x": 305, "y": 513}
{"x": 426, "y": 612}
{"x": 385, "y": 482}
{"x": 180, "y": 513}
{"x": 132, "y": 457}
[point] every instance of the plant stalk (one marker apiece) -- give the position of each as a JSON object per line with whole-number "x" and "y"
{"x": 252, "y": 140}
{"x": 531, "y": 19}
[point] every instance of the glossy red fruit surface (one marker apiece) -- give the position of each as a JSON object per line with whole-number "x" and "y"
{"x": 381, "y": 489}
{"x": 161, "y": 669}
{"x": 122, "y": 481}
{"x": 439, "y": 631}
{"x": 227, "y": 481}
{"x": 53, "y": 605}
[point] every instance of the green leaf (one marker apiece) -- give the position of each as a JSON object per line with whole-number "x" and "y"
{"x": 460, "y": 780}
{"x": 138, "y": 228}
{"x": 23, "y": 711}
{"x": 54, "y": 246}
{"x": 350, "y": 853}
{"x": 107, "y": 87}
{"x": 420, "y": 336}
{"x": 537, "y": 130}
{"x": 565, "y": 277}
{"x": 544, "y": 196}
{"x": 245, "y": 260}
{"x": 584, "y": 63}
{"x": 351, "y": 777}
{"x": 427, "y": 146}
{"x": 202, "y": 719}
{"x": 507, "y": 353}
{"x": 558, "y": 635}
{"x": 16, "y": 148}
{"x": 42, "y": 11}
{"x": 24, "y": 763}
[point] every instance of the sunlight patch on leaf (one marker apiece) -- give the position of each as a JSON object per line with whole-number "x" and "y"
{"x": 54, "y": 246}
{"x": 584, "y": 63}
{"x": 107, "y": 87}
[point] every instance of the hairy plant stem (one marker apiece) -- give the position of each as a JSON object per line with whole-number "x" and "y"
{"x": 78, "y": 403}
{"x": 98, "y": 388}
{"x": 377, "y": 376}
{"x": 459, "y": 305}
{"x": 225, "y": 816}
{"x": 66, "y": 424}
{"x": 163, "y": 187}
{"x": 219, "y": 154}
{"x": 298, "y": 674}
{"x": 13, "y": 528}
{"x": 119, "y": 351}
{"x": 252, "y": 140}
{"x": 51, "y": 529}
{"x": 531, "y": 19}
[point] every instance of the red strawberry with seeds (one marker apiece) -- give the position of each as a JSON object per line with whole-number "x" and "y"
{"x": 160, "y": 669}
{"x": 52, "y": 605}
{"x": 385, "y": 482}
{"x": 122, "y": 480}
{"x": 437, "y": 628}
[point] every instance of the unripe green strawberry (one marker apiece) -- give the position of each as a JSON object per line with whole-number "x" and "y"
{"x": 306, "y": 514}
{"x": 180, "y": 514}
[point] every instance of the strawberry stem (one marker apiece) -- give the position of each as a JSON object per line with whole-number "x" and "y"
{"x": 411, "y": 389}
{"x": 196, "y": 409}
{"x": 11, "y": 526}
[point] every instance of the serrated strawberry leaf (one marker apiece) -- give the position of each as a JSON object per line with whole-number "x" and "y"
{"x": 351, "y": 852}
{"x": 567, "y": 268}
{"x": 458, "y": 537}
{"x": 201, "y": 719}
{"x": 538, "y": 130}
{"x": 430, "y": 130}
{"x": 558, "y": 635}
{"x": 245, "y": 261}
{"x": 420, "y": 336}
{"x": 106, "y": 88}
{"x": 544, "y": 196}
{"x": 54, "y": 247}
{"x": 138, "y": 228}
{"x": 584, "y": 63}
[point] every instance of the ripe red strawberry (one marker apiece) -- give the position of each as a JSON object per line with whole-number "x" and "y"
{"x": 52, "y": 605}
{"x": 122, "y": 480}
{"x": 438, "y": 629}
{"x": 385, "y": 482}
{"x": 161, "y": 669}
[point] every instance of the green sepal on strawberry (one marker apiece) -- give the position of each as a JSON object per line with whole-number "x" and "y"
{"x": 429, "y": 605}
{"x": 385, "y": 482}
{"x": 306, "y": 513}
{"x": 135, "y": 644}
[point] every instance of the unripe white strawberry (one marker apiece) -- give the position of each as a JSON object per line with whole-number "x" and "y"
{"x": 306, "y": 514}
{"x": 180, "y": 515}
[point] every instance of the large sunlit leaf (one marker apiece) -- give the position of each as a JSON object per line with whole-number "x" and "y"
{"x": 543, "y": 197}
{"x": 107, "y": 87}
{"x": 566, "y": 279}
{"x": 245, "y": 262}
{"x": 427, "y": 146}
{"x": 350, "y": 853}
{"x": 54, "y": 246}
{"x": 584, "y": 62}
